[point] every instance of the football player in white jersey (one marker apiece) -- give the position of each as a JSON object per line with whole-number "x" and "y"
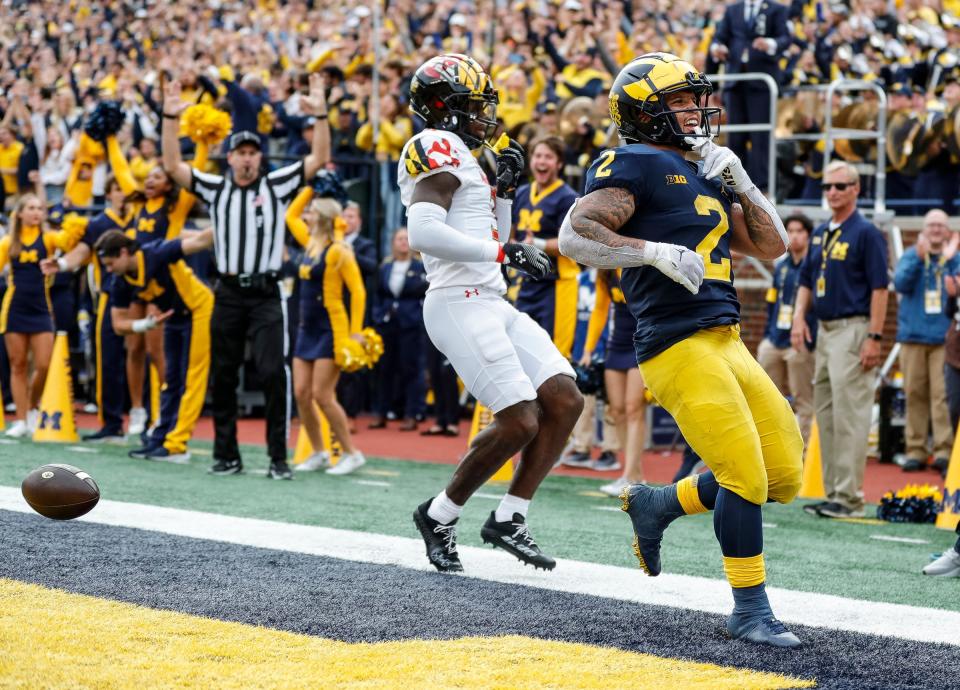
{"x": 461, "y": 225}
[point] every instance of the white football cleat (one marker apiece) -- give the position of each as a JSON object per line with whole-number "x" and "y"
{"x": 348, "y": 463}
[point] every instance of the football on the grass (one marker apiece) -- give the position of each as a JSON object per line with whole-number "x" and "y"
{"x": 60, "y": 492}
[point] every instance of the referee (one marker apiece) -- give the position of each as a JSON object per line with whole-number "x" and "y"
{"x": 247, "y": 210}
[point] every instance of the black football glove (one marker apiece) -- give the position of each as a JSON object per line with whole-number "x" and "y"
{"x": 527, "y": 258}
{"x": 510, "y": 162}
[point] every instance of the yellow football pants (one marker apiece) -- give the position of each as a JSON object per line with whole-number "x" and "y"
{"x": 730, "y": 413}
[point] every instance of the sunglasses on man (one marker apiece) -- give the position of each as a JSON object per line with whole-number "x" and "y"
{"x": 840, "y": 186}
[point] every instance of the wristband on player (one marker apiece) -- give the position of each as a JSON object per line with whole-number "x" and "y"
{"x": 62, "y": 265}
{"x": 540, "y": 243}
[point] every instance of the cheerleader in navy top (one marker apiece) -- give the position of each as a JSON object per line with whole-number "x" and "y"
{"x": 624, "y": 385}
{"x": 26, "y": 315}
{"x": 109, "y": 351}
{"x": 327, "y": 267}
{"x": 158, "y": 211}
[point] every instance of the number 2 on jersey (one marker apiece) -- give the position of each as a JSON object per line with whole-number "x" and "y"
{"x": 713, "y": 270}
{"x": 604, "y": 169}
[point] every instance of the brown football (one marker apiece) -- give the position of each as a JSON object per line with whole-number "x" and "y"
{"x": 60, "y": 492}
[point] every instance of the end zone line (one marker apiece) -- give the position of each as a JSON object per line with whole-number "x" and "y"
{"x": 611, "y": 582}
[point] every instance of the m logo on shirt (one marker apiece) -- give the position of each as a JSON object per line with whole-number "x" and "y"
{"x": 839, "y": 251}
{"x": 146, "y": 224}
{"x": 28, "y": 256}
{"x": 529, "y": 220}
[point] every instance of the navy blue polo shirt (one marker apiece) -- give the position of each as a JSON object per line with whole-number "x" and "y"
{"x": 781, "y": 300}
{"x": 854, "y": 266}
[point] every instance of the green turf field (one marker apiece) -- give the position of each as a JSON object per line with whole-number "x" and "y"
{"x": 569, "y": 518}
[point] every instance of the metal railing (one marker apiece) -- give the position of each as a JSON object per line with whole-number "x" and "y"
{"x": 769, "y": 126}
{"x": 830, "y": 134}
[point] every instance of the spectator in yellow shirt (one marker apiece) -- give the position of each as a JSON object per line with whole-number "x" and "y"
{"x": 395, "y": 129}
{"x": 10, "y": 149}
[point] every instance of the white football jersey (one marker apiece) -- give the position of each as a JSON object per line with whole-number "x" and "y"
{"x": 471, "y": 213}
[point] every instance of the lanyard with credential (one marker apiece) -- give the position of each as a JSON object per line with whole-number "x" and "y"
{"x": 827, "y": 247}
{"x": 933, "y": 297}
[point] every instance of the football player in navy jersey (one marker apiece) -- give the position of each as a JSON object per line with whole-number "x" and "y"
{"x": 538, "y": 210}
{"x": 666, "y": 221}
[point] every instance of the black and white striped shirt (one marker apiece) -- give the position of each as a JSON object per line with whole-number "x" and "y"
{"x": 248, "y": 222}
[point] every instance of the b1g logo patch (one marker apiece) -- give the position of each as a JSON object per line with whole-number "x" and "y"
{"x": 676, "y": 179}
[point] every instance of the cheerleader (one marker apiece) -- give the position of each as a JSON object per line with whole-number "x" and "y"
{"x": 26, "y": 316}
{"x": 621, "y": 376}
{"x": 158, "y": 211}
{"x": 327, "y": 267}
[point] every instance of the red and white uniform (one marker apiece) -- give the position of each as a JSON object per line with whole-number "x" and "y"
{"x": 502, "y": 355}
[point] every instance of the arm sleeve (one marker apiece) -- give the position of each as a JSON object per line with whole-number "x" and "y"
{"x": 296, "y": 224}
{"x": 599, "y": 316}
{"x": 169, "y": 251}
{"x": 430, "y": 234}
{"x": 4, "y": 251}
{"x": 120, "y": 166}
{"x": 178, "y": 214}
{"x": 504, "y": 214}
{"x": 908, "y": 273}
{"x": 350, "y": 273}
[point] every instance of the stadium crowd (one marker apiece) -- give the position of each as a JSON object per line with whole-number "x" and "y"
{"x": 84, "y": 102}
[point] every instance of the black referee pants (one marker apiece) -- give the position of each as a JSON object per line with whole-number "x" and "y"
{"x": 258, "y": 315}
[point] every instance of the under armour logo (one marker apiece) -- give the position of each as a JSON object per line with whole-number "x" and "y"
{"x": 468, "y": 293}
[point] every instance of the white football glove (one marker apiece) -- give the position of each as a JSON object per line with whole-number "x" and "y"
{"x": 719, "y": 160}
{"x": 678, "y": 263}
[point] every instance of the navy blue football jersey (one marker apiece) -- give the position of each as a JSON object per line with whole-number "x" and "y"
{"x": 540, "y": 212}
{"x": 674, "y": 204}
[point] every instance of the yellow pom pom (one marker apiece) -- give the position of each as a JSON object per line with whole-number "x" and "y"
{"x": 372, "y": 345}
{"x": 205, "y": 124}
{"x": 265, "y": 119}
{"x": 350, "y": 356}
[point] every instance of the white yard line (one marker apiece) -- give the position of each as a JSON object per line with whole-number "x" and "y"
{"x": 903, "y": 540}
{"x": 371, "y": 482}
{"x": 626, "y": 584}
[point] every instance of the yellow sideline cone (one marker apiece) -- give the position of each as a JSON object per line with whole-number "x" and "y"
{"x": 812, "y": 484}
{"x": 482, "y": 418}
{"x": 950, "y": 508}
{"x": 304, "y": 448}
{"x": 56, "y": 405}
{"x": 3, "y": 423}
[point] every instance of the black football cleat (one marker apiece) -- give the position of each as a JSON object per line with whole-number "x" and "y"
{"x": 768, "y": 631}
{"x": 440, "y": 540}
{"x": 650, "y": 513}
{"x": 514, "y": 537}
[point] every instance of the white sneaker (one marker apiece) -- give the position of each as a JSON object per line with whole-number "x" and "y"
{"x": 948, "y": 565}
{"x": 615, "y": 487}
{"x": 317, "y": 461}
{"x": 33, "y": 419}
{"x": 138, "y": 421}
{"x": 348, "y": 463}
{"x": 17, "y": 430}
{"x": 90, "y": 408}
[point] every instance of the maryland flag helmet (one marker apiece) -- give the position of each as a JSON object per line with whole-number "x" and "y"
{"x": 452, "y": 92}
{"x": 637, "y": 100}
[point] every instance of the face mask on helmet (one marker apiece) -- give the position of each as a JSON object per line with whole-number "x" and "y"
{"x": 638, "y": 102}
{"x": 452, "y": 93}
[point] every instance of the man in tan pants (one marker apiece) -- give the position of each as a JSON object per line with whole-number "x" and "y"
{"x": 844, "y": 280}
{"x": 921, "y": 325}
{"x": 791, "y": 370}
